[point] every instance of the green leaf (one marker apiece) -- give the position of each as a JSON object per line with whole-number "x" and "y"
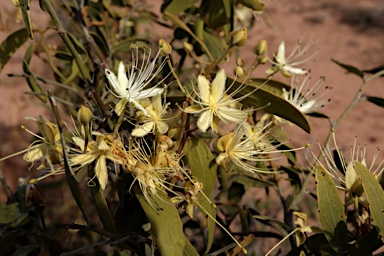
{"x": 10, "y": 45}
{"x": 101, "y": 205}
{"x": 252, "y": 182}
{"x": 165, "y": 222}
{"x": 269, "y": 102}
{"x": 374, "y": 70}
{"x": 126, "y": 45}
{"x": 31, "y": 79}
{"x": 350, "y": 68}
{"x": 375, "y": 196}
{"x": 100, "y": 41}
{"x": 203, "y": 167}
{"x": 255, "y": 5}
{"x": 177, "y": 6}
{"x": 25, "y": 6}
{"x": 9, "y": 213}
{"x": 189, "y": 250}
{"x": 318, "y": 114}
{"x": 376, "y": 100}
{"x": 366, "y": 245}
{"x": 26, "y": 250}
{"x": 216, "y": 13}
{"x": 215, "y": 45}
{"x": 331, "y": 211}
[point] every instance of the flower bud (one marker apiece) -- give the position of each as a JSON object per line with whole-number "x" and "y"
{"x": 239, "y": 72}
{"x": 262, "y": 59}
{"x": 222, "y": 142}
{"x": 240, "y": 62}
{"x": 84, "y": 115}
{"x": 261, "y": 48}
{"x": 188, "y": 47}
{"x": 239, "y": 37}
{"x": 165, "y": 47}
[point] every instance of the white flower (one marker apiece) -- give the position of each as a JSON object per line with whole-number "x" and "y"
{"x": 288, "y": 65}
{"x": 303, "y": 98}
{"x": 131, "y": 88}
{"x": 214, "y": 104}
{"x": 153, "y": 121}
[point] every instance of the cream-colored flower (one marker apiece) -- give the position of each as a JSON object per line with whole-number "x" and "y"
{"x": 344, "y": 172}
{"x": 131, "y": 88}
{"x": 214, "y": 105}
{"x": 98, "y": 151}
{"x": 241, "y": 151}
{"x": 288, "y": 65}
{"x": 154, "y": 120}
{"x": 303, "y": 97}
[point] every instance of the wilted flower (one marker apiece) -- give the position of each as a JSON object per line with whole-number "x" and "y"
{"x": 151, "y": 169}
{"x": 48, "y": 146}
{"x": 131, "y": 88}
{"x": 98, "y": 151}
{"x": 288, "y": 65}
{"x": 304, "y": 98}
{"x": 214, "y": 105}
{"x": 154, "y": 120}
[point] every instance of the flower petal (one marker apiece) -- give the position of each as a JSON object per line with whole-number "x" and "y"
{"x": 120, "y": 106}
{"x": 232, "y": 114}
{"x": 205, "y": 120}
{"x": 145, "y": 93}
{"x": 143, "y": 129}
{"x": 122, "y": 77}
{"x": 101, "y": 171}
{"x": 194, "y": 109}
{"x": 204, "y": 88}
{"x": 161, "y": 127}
{"x": 218, "y": 85}
{"x": 114, "y": 83}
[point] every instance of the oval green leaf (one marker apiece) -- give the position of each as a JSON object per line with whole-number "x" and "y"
{"x": 10, "y": 45}
{"x": 203, "y": 168}
{"x": 331, "y": 211}
{"x": 375, "y": 196}
{"x": 165, "y": 221}
{"x": 269, "y": 102}
{"x": 177, "y": 6}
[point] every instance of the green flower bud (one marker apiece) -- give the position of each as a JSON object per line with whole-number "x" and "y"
{"x": 84, "y": 115}
{"x": 239, "y": 37}
{"x": 188, "y": 47}
{"x": 261, "y": 48}
{"x": 262, "y": 59}
{"x": 165, "y": 47}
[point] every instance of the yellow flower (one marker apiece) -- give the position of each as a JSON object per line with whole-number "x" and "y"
{"x": 131, "y": 88}
{"x": 214, "y": 105}
{"x": 153, "y": 121}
